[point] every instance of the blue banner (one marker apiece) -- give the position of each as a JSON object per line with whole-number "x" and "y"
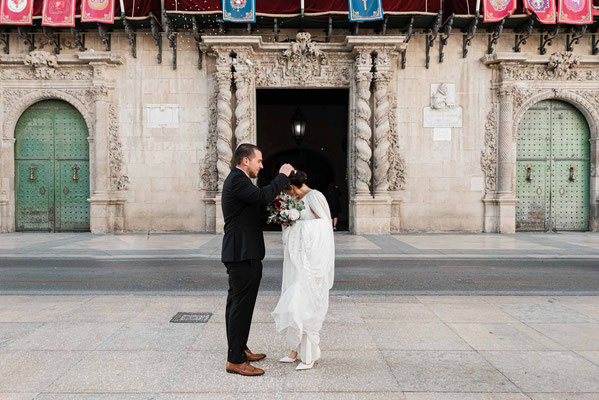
{"x": 239, "y": 10}
{"x": 365, "y": 10}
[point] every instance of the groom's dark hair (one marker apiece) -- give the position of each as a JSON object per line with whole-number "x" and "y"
{"x": 244, "y": 150}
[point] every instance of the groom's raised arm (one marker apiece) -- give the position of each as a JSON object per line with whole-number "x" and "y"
{"x": 247, "y": 192}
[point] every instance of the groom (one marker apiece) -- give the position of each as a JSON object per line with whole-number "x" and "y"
{"x": 243, "y": 250}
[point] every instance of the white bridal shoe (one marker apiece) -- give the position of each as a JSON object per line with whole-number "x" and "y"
{"x": 302, "y": 366}
{"x": 287, "y": 359}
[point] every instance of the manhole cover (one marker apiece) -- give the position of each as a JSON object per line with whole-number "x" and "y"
{"x": 192, "y": 317}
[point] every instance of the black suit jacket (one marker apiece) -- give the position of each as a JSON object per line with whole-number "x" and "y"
{"x": 242, "y": 202}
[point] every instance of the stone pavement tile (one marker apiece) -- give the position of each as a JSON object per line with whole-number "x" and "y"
{"x": 118, "y": 371}
{"x": 545, "y": 313}
{"x": 465, "y": 396}
{"x": 385, "y": 299}
{"x": 470, "y": 313}
{"x": 343, "y": 312}
{"x": 101, "y": 313}
{"x": 520, "y": 299}
{"x": 434, "y": 335}
{"x": 343, "y": 396}
{"x": 564, "y": 396}
{"x": 10, "y": 331}
{"x": 263, "y": 339}
{"x": 95, "y": 396}
{"x": 591, "y": 310}
{"x": 446, "y": 371}
{"x": 592, "y": 356}
{"x": 342, "y": 371}
{"x": 28, "y": 371}
{"x": 572, "y": 336}
{"x": 396, "y": 312}
{"x": 49, "y": 312}
{"x": 65, "y": 336}
{"x": 512, "y": 336}
{"x": 546, "y": 371}
{"x": 576, "y": 299}
{"x": 345, "y": 336}
{"x": 163, "y": 337}
{"x": 17, "y": 396}
{"x": 217, "y": 396}
{"x": 452, "y": 299}
{"x": 205, "y": 372}
{"x": 163, "y": 310}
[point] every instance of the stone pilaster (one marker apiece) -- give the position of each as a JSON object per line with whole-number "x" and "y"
{"x": 363, "y": 77}
{"x": 224, "y": 143}
{"x": 243, "y": 127}
{"x": 381, "y": 132}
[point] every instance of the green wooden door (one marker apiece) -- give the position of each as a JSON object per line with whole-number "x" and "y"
{"x": 552, "y": 180}
{"x": 52, "y": 169}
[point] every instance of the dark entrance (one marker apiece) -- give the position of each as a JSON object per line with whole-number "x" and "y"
{"x": 323, "y": 152}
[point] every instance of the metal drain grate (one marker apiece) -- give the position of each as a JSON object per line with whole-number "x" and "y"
{"x": 191, "y": 317}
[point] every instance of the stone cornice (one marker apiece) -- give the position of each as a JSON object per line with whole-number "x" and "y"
{"x": 532, "y": 58}
{"x": 80, "y": 58}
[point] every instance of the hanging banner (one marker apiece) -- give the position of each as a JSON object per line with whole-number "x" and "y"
{"x": 16, "y": 12}
{"x": 496, "y": 10}
{"x": 58, "y": 13}
{"x": 577, "y": 12}
{"x": 97, "y": 11}
{"x": 239, "y": 10}
{"x": 543, "y": 9}
{"x": 365, "y": 10}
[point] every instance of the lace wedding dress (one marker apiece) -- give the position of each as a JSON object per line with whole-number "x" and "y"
{"x": 308, "y": 271}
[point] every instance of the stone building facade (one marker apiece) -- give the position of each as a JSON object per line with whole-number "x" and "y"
{"x": 161, "y": 138}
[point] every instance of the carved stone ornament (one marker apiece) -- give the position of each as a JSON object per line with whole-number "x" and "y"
{"x": 118, "y": 181}
{"x": 304, "y": 59}
{"x": 561, "y": 66}
{"x": 488, "y": 158}
{"x": 397, "y": 166}
{"x": 561, "y": 63}
{"x": 43, "y": 63}
{"x": 209, "y": 173}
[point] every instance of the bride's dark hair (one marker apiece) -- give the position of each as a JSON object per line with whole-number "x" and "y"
{"x": 298, "y": 178}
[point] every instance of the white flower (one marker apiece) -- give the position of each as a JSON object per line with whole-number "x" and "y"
{"x": 284, "y": 213}
{"x": 294, "y": 214}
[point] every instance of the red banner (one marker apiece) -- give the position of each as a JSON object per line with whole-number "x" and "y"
{"x": 578, "y": 12}
{"x": 97, "y": 11}
{"x": 543, "y": 9}
{"x": 496, "y": 10}
{"x": 58, "y": 13}
{"x": 16, "y": 12}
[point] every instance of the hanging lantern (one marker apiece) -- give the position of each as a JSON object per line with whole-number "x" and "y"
{"x": 298, "y": 126}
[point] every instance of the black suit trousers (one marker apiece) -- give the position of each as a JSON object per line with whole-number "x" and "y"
{"x": 244, "y": 281}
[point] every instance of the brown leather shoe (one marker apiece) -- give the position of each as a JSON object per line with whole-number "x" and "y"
{"x": 254, "y": 357}
{"x": 245, "y": 369}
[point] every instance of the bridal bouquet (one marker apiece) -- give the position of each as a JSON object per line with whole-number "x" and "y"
{"x": 284, "y": 210}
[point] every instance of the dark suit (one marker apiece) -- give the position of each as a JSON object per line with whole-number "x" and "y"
{"x": 243, "y": 251}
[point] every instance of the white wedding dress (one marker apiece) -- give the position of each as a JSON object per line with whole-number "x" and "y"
{"x": 308, "y": 272}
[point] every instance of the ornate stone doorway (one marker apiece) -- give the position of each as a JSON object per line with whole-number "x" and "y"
{"x": 322, "y": 153}
{"x": 363, "y": 64}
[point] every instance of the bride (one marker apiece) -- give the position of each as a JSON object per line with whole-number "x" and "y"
{"x": 308, "y": 269}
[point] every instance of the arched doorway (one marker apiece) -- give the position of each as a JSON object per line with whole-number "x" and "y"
{"x": 51, "y": 169}
{"x": 553, "y": 162}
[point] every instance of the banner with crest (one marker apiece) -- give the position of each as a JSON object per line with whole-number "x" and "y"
{"x": 543, "y": 9}
{"x": 58, "y": 13}
{"x": 365, "y": 10}
{"x": 496, "y": 10}
{"x": 239, "y": 10}
{"x": 16, "y": 12}
{"x": 97, "y": 11}
{"x": 577, "y": 12}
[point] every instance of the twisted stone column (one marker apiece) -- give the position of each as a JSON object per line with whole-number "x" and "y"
{"x": 363, "y": 133}
{"x": 243, "y": 132}
{"x": 506, "y": 148}
{"x": 381, "y": 133}
{"x": 224, "y": 145}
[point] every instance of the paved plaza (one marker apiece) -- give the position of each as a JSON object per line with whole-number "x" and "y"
{"x": 382, "y": 347}
{"x": 442, "y": 245}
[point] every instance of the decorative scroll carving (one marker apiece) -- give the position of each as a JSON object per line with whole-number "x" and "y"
{"x": 488, "y": 158}
{"x": 561, "y": 63}
{"x": 561, "y": 66}
{"x": 209, "y": 173}
{"x": 304, "y": 59}
{"x": 397, "y": 167}
{"x": 381, "y": 132}
{"x": 43, "y": 63}
{"x": 118, "y": 181}
{"x": 223, "y": 127}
